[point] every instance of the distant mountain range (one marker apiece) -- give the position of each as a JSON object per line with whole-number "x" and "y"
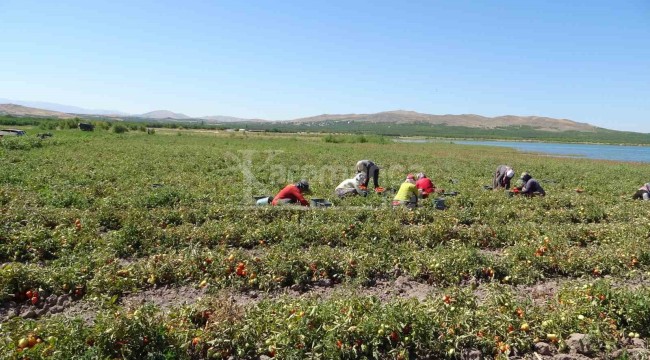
{"x": 397, "y": 117}
{"x": 227, "y": 119}
{"x": 61, "y": 108}
{"x": 19, "y": 110}
{"x": 163, "y": 114}
{"x": 465, "y": 120}
{"x": 74, "y": 110}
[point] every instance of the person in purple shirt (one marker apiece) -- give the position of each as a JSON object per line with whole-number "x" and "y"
{"x": 531, "y": 186}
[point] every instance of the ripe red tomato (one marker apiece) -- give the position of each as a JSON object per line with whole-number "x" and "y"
{"x": 394, "y": 336}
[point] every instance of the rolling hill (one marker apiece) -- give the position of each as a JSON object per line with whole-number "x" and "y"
{"x": 62, "y": 108}
{"x": 19, "y": 110}
{"x": 389, "y": 123}
{"x": 164, "y": 114}
{"x": 465, "y": 120}
{"x": 397, "y": 117}
{"x": 227, "y": 119}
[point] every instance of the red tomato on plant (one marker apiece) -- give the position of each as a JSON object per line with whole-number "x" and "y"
{"x": 394, "y": 336}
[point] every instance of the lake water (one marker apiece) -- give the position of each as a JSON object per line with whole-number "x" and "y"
{"x": 590, "y": 151}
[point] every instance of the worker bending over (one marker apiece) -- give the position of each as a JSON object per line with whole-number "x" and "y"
{"x": 531, "y": 186}
{"x": 502, "y": 177}
{"x": 292, "y": 194}
{"x": 407, "y": 194}
{"x": 643, "y": 192}
{"x": 424, "y": 185}
{"x": 351, "y": 187}
{"x": 369, "y": 168}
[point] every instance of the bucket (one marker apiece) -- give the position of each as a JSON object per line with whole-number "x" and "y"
{"x": 439, "y": 203}
{"x": 263, "y": 201}
{"x": 321, "y": 202}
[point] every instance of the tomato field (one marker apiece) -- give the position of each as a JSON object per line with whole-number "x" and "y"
{"x": 97, "y": 227}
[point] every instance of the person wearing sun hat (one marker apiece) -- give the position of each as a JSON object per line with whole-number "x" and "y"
{"x": 502, "y": 177}
{"x": 643, "y": 193}
{"x": 407, "y": 193}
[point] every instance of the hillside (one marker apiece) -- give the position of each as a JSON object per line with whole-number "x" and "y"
{"x": 164, "y": 114}
{"x": 226, "y": 119}
{"x": 512, "y": 132}
{"x": 62, "y": 108}
{"x": 19, "y": 110}
{"x": 397, "y": 117}
{"x": 389, "y": 123}
{"x": 465, "y": 120}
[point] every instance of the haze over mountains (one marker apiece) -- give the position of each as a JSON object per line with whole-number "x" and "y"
{"x": 164, "y": 114}
{"x": 19, "y": 110}
{"x": 61, "y": 108}
{"x": 41, "y": 107}
{"x": 397, "y": 117}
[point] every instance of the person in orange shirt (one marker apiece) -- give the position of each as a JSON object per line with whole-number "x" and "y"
{"x": 292, "y": 194}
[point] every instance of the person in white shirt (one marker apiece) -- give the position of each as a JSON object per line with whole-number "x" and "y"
{"x": 351, "y": 187}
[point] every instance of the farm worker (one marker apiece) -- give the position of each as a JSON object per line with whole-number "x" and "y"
{"x": 351, "y": 186}
{"x": 369, "y": 168}
{"x": 531, "y": 186}
{"x": 292, "y": 194}
{"x": 643, "y": 192}
{"x": 407, "y": 193}
{"x": 502, "y": 177}
{"x": 424, "y": 185}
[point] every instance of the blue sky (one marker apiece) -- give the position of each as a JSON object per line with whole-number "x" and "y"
{"x": 588, "y": 61}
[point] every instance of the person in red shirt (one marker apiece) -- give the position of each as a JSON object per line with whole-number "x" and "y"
{"x": 292, "y": 194}
{"x": 424, "y": 185}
